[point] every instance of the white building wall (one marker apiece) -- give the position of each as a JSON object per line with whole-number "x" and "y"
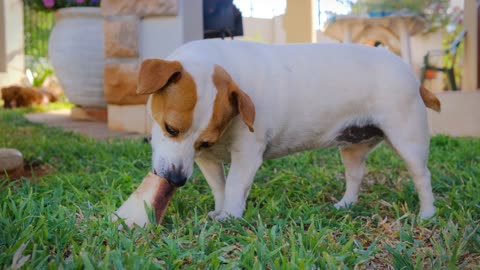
{"x": 161, "y": 35}
{"x": 258, "y": 29}
{"x": 420, "y": 45}
{"x": 12, "y": 55}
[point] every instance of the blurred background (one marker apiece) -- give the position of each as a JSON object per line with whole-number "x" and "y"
{"x": 87, "y": 52}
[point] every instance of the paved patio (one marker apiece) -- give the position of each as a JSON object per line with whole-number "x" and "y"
{"x": 93, "y": 129}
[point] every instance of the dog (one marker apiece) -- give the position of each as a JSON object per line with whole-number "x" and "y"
{"x": 18, "y": 96}
{"x": 240, "y": 102}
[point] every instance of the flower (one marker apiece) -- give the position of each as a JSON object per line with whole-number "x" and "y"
{"x": 48, "y": 3}
{"x": 51, "y": 5}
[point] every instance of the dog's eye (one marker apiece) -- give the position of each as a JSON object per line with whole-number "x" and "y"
{"x": 205, "y": 145}
{"x": 171, "y": 131}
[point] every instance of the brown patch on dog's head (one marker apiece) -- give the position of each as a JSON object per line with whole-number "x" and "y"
{"x": 174, "y": 94}
{"x": 229, "y": 102}
{"x": 9, "y": 95}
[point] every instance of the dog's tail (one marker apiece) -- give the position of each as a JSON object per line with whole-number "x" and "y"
{"x": 430, "y": 100}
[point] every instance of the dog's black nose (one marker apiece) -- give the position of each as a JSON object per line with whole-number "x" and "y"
{"x": 176, "y": 177}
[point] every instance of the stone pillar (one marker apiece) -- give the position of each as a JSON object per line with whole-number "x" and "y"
{"x": 11, "y": 42}
{"x": 135, "y": 30}
{"x": 3, "y": 51}
{"x": 121, "y": 40}
{"x": 299, "y": 23}
{"x": 470, "y": 55}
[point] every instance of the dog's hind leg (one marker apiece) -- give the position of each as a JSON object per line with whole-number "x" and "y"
{"x": 215, "y": 176}
{"x": 353, "y": 157}
{"x": 410, "y": 140}
{"x": 415, "y": 157}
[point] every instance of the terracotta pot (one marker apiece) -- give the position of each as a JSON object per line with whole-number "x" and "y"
{"x": 430, "y": 74}
{"x": 75, "y": 50}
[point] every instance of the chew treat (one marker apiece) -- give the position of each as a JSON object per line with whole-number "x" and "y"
{"x": 155, "y": 192}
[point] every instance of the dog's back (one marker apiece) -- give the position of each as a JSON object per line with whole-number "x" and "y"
{"x": 306, "y": 93}
{"x": 320, "y": 73}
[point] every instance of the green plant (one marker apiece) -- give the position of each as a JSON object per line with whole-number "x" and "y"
{"x": 37, "y": 27}
{"x": 38, "y": 77}
{"x": 414, "y": 6}
{"x": 37, "y": 70}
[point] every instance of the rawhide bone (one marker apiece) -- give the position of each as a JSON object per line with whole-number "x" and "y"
{"x": 155, "y": 192}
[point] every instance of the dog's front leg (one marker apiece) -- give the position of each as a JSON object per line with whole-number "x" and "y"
{"x": 215, "y": 176}
{"x": 242, "y": 172}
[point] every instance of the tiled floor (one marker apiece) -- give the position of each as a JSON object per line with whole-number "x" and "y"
{"x": 95, "y": 130}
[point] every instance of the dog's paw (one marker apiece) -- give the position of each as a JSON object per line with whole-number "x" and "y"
{"x": 214, "y": 214}
{"x": 222, "y": 216}
{"x": 343, "y": 204}
{"x": 133, "y": 212}
{"x": 427, "y": 212}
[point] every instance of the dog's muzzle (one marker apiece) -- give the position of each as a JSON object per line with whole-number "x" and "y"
{"x": 174, "y": 176}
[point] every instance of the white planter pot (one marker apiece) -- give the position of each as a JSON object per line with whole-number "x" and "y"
{"x": 75, "y": 49}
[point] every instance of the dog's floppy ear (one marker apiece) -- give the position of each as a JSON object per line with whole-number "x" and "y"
{"x": 156, "y": 74}
{"x": 244, "y": 104}
{"x": 239, "y": 100}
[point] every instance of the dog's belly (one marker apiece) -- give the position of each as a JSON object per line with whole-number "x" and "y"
{"x": 281, "y": 147}
{"x": 351, "y": 134}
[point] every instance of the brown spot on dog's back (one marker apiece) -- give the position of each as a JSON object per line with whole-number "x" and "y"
{"x": 358, "y": 134}
{"x": 174, "y": 93}
{"x": 229, "y": 102}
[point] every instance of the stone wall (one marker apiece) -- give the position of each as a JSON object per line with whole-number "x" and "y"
{"x": 137, "y": 30}
{"x": 122, "y": 20}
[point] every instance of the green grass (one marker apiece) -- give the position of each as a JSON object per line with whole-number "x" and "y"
{"x": 63, "y": 219}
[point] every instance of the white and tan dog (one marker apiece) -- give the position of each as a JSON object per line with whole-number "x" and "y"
{"x": 218, "y": 101}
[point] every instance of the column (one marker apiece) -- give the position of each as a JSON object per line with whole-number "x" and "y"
{"x": 299, "y": 23}
{"x": 12, "y": 67}
{"x": 404, "y": 41}
{"x": 470, "y": 54}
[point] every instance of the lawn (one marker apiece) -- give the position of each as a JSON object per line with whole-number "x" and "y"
{"x": 63, "y": 218}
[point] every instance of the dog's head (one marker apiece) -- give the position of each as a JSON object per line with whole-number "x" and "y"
{"x": 191, "y": 106}
{"x": 10, "y": 96}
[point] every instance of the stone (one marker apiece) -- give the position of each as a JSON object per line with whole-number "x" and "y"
{"x": 10, "y": 160}
{"x": 120, "y": 84}
{"x": 89, "y": 114}
{"x": 121, "y": 38}
{"x": 140, "y": 8}
{"x": 133, "y": 118}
